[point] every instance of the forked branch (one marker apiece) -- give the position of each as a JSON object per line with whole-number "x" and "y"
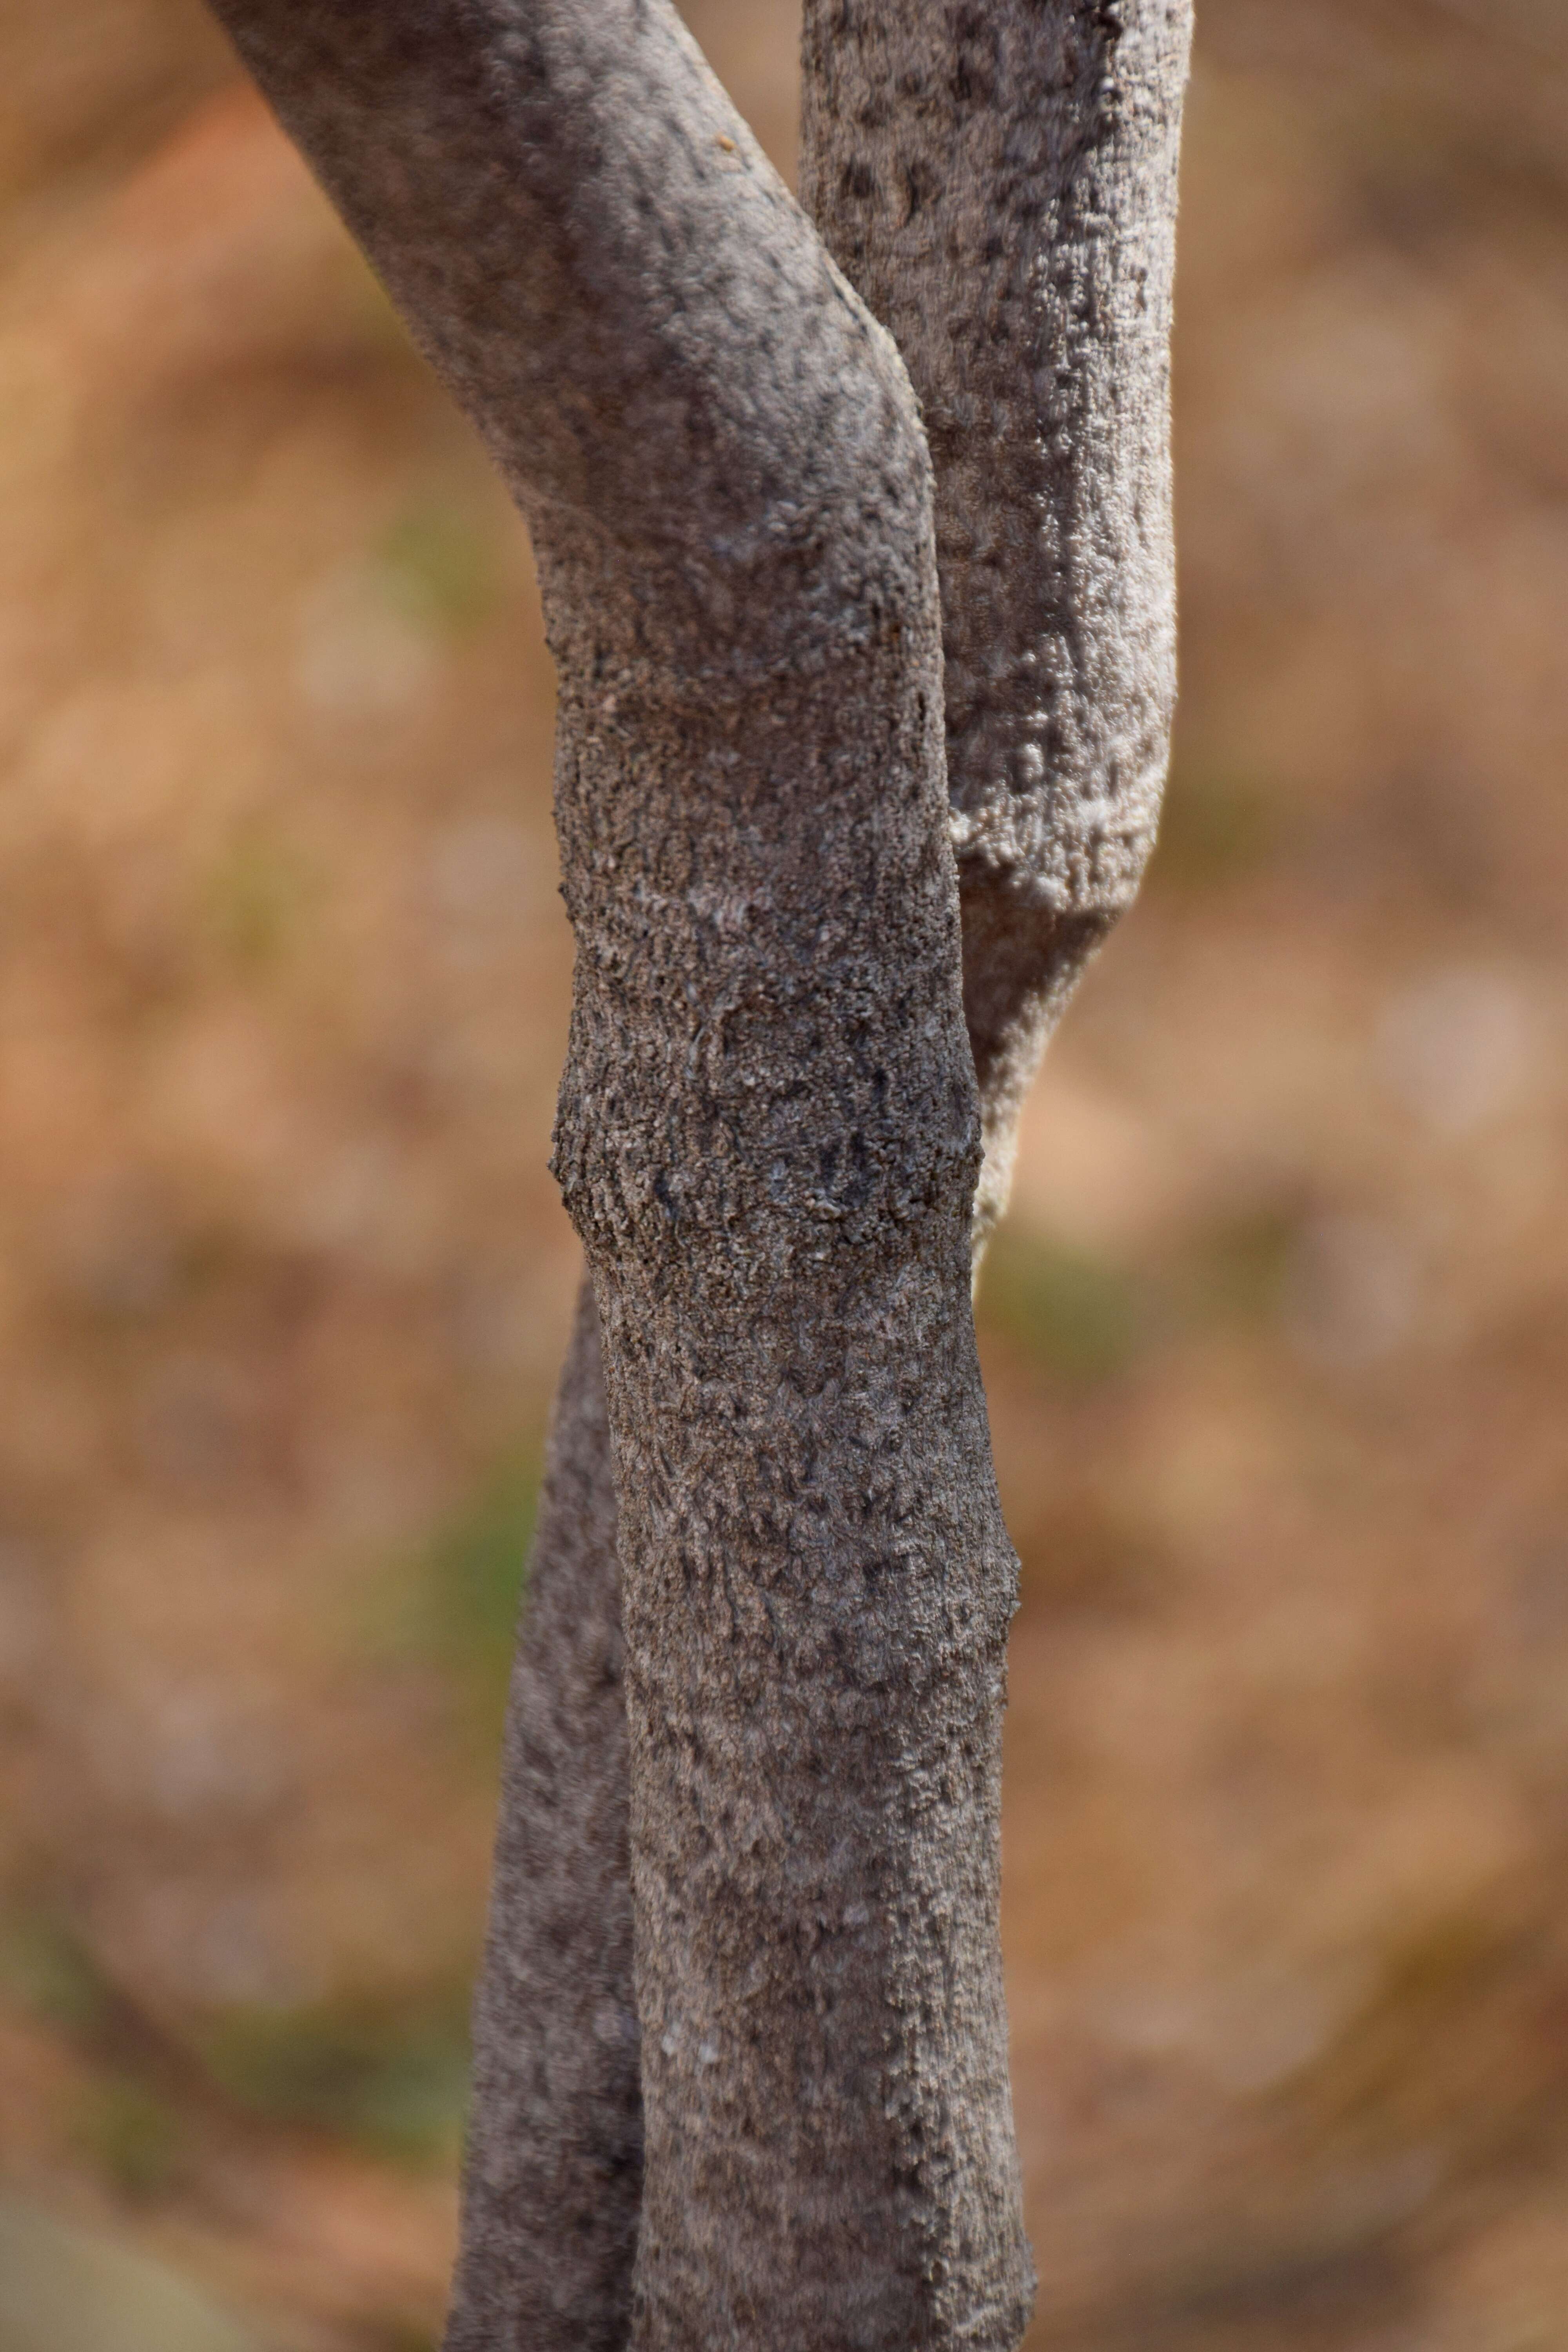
{"x": 767, "y": 1134}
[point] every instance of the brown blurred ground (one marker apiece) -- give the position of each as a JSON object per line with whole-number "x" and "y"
{"x": 1276, "y": 1342}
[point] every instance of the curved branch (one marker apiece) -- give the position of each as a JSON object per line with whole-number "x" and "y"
{"x": 943, "y": 157}
{"x": 768, "y": 1134}
{"x": 1000, "y": 185}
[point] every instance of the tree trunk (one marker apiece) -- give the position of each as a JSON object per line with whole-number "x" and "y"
{"x": 1002, "y": 193}
{"x": 767, "y": 1125}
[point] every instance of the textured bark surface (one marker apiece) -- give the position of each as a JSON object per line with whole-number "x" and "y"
{"x": 999, "y": 182}
{"x": 1078, "y": 119}
{"x": 772, "y": 1169}
{"x": 768, "y": 1136}
{"x": 553, "y": 2178}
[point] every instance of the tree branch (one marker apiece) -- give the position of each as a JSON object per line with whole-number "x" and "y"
{"x": 1029, "y": 282}
{"x": 553, "y": 2181}
{"x": 768, "y": 1134}
{"x": 999, "y": 183}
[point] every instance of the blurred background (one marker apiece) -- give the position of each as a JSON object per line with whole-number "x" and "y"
{"x": 1277, "y": 1338}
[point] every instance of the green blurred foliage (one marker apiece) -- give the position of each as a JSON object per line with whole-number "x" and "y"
{"x": 476, "y": 1569}
{"x": 46, "y": 1968}
{"x": 122, "y": 2120}
{"x": 132, "y": 2137}
{"x": 1235, "y": 1269}
{"x": 1078, "y": 1316}
{"x": 439, "y": 568}
{"x": 390, "y": 2077}
{"x": 456, "y": 1602}
{"x": 1215, "y": 829}
{"x": 259, "y": 896}
{"x": 1085, "y": 1319}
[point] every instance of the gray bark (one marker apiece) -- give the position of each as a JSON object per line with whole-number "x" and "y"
{"x": 725, "y": 484}
{"x": 1002, "y": 193}
{"x": 552, "y": 2184}
{"x": 999, "y": 183}
{"x": 768, "y": 1133}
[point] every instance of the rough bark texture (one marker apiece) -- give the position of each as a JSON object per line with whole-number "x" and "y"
{"x": 1002, "y": 192}
{"x": 1029, "y": 284}
{"x": 817, "y": 1584}
{"x": 768, "y": 1138}
{"x": 554, "y": 2178}
{"x": 999, "y": 183}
